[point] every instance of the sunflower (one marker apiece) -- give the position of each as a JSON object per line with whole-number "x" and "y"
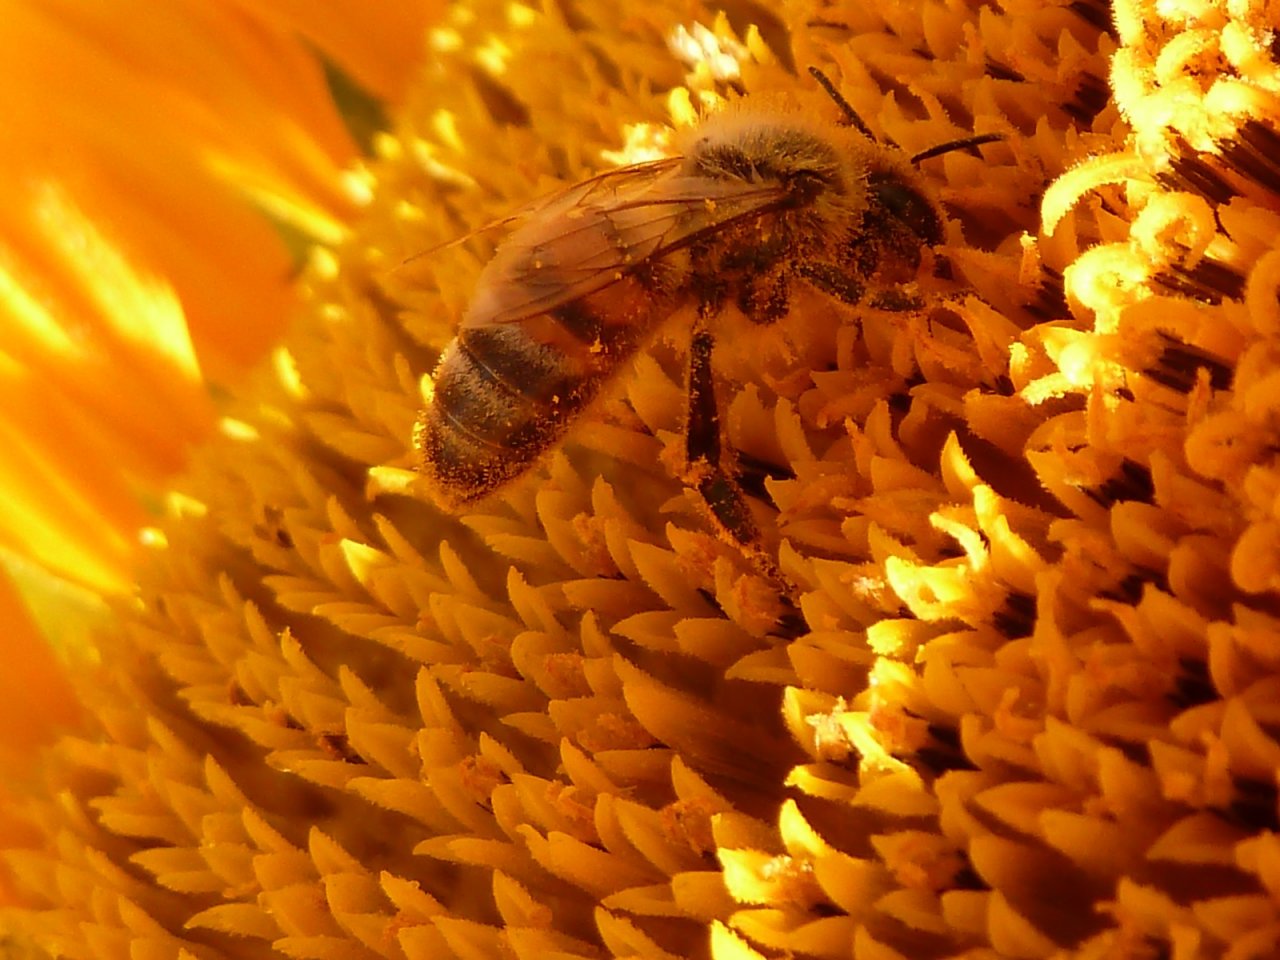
{"x": 996, "y": 681}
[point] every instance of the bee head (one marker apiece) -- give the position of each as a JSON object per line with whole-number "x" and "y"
{"x": 903, "y": 201}
{"x": 891, "y": 189}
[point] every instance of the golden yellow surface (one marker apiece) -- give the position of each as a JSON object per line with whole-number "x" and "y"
{"x": 1021, "y": 699}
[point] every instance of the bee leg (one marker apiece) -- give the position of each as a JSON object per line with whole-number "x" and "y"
{"x": 702, "y": 445}
{"x": 833, "y": 281}
{"x": 766, "y": 299}
{"x": 705, "y": 471}
{"x": 847, "y": 288}
{"x": 897, "y": 300}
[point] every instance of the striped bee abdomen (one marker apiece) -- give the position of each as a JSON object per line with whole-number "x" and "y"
{"x": 504, "y": 393}
{"x": 500, "y": 399}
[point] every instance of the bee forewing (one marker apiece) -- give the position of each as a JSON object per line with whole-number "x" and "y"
{"x": 586, "y": 241}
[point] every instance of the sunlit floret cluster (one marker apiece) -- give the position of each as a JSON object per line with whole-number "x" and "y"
{"x": 1006, "y": 688}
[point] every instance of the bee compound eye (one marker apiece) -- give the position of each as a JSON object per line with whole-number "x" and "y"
{"x": 906, "y": 204}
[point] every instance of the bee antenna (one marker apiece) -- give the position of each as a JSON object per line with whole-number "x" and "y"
{"x": 851, "y": 117}
{"x": 939, "y": 149}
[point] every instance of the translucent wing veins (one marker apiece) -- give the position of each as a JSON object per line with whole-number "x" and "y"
{"x": 600, "y": 231}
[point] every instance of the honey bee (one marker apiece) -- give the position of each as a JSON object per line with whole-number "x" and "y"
{"x": 759, "y": 199}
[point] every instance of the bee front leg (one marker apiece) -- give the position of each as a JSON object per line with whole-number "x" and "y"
{"x": 847, "y": 287}
{"x": 842, "y": 285}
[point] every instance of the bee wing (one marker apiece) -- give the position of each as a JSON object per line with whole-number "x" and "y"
{"x": 600, "y": 231}
{"x": 566, "y": 197}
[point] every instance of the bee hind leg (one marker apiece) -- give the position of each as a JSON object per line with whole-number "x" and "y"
{"x": 764, "y": 299}
{"x": 720, "y": 491}
{"x": 703, "y": 453}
